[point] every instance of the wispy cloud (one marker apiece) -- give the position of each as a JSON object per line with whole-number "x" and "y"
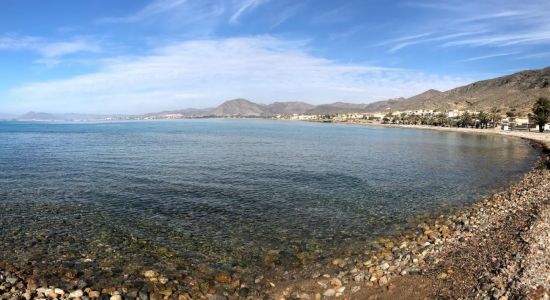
{"x": 49, "y": 50}
{"x": 430, "y": 37}
{"x": 154, "y": 9}
{"x": 244, "y": 7}
{"x": 335, "y": 15}
{"x": 534, "y": 55}
{"x": 190, "y": 11}
{"x": 485, "y": 24}
{"x": 261, "y": 68}
{"x": 487, "y": 56}
{"x": 286, "y": 13}
{"x": 502, "y": 40}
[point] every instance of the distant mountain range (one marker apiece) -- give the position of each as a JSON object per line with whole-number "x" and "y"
{"x": 517, "y": 91}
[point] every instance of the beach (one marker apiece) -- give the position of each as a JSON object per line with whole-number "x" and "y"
{"x": 496, "y": 248}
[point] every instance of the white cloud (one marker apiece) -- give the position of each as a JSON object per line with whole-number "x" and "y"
{"x": 202, "y": 73}
{"x": 49, "y": 50}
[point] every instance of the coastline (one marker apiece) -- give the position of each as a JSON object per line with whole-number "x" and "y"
{"x": 498, "y": 248}
{"x": 416, "y": 260}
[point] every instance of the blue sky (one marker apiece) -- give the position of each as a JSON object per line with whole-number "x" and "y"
{"x": 135, "y": 56}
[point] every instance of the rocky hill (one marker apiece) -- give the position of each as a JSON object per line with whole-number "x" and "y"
{"x": 240, "y": 107}
{"x": 337, "y": 107}
{"x": 517, "y": 91}
{"x": 289, "y": 108}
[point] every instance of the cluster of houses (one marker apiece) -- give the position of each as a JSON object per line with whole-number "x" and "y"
{"x": 502, "y": 121}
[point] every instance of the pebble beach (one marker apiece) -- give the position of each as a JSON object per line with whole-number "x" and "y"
{"x": 496, "y": 249}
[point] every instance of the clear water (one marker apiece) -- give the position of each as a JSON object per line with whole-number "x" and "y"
{"x": 116, "y": 198}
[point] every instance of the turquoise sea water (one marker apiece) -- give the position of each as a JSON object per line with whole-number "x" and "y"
{"x": 115, "y": 198}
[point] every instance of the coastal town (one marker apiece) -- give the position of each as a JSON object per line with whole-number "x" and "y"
{"x": 455, "y": 118}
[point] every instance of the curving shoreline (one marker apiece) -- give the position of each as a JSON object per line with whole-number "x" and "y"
{"x": 499, "y": 248}
{"x": 388, "y": 274}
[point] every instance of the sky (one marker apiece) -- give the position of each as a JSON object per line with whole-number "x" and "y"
{"x": 137, "y": 56}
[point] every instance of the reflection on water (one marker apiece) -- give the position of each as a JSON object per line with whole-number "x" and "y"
{"x": 113, "y": 198}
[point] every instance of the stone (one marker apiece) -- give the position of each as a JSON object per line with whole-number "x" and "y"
{"x": 150, "y": 274}
{"x": 339, "y": 262}
{"x": 115, "y": 297}
{"x": 12, "y": 280}
{"x": 93, "y": 294}
{"x": 163, "y": 280}
{"x": 59, "y": 291}
{"x": 335, "y": 282}
{"x": 76, "y": 294}
{"x": 223, "y": 277}
{"x": 355, "y": 289}
{"x": 143, "y": 295}
{"x": 383, "y": 280}
{"x": 442, "y": 276}
{"x": 329, "y": 293}
{"x": 384, "y": 266}
{"x": 300, "y": 295}
{"x": 166, "y": 293}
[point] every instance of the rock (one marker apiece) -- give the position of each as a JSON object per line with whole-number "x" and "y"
{"x": 12, "y": 280}
{"x": 355, "y": 289}
{"x": 166, "y": 293}
{"x": 115, "y": 297}
{"x": 383, "y": 281}
{"x": 384, "y": 266}
{"x": 223, "y": 277}
{"x": 335, "y": 282}
{"x": 59, "y": 291}
{"x": 93, "y": 294}
{"x": 329, "y": 293}
{"x": 339, "y": 262}
{"x": 341, "y": 290}
{"x": 300, "y": 295}
{"x": 442, "y": 276}
{"x": 272, "y": 257}
{"x": 76, "y": 294}
{"x": 143, "y": 295}
{"x": 150, "y": 274}
{"x": 163, "y": 280}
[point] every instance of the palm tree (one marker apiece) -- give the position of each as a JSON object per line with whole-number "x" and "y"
{"x": 495, "y": 115}
{"x": 465, "y": 120}
{"x": 541, "y": 112}
{"x": 483, "y": 119}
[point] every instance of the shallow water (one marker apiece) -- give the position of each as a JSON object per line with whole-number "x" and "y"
{"x": 116, "y": 198}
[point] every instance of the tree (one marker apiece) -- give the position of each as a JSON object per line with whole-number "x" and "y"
{"x": 483, "y": 119}
{"x": 465, "y": 120}
{"x": 495, "y": 115}
{"x": 541, "y": 112}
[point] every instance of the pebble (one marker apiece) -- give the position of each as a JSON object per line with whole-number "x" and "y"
{"x": 76, "y": 294}
{"x": 329, "y": 293}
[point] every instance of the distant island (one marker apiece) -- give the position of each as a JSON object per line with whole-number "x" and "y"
{"x": 516, "y": 92}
